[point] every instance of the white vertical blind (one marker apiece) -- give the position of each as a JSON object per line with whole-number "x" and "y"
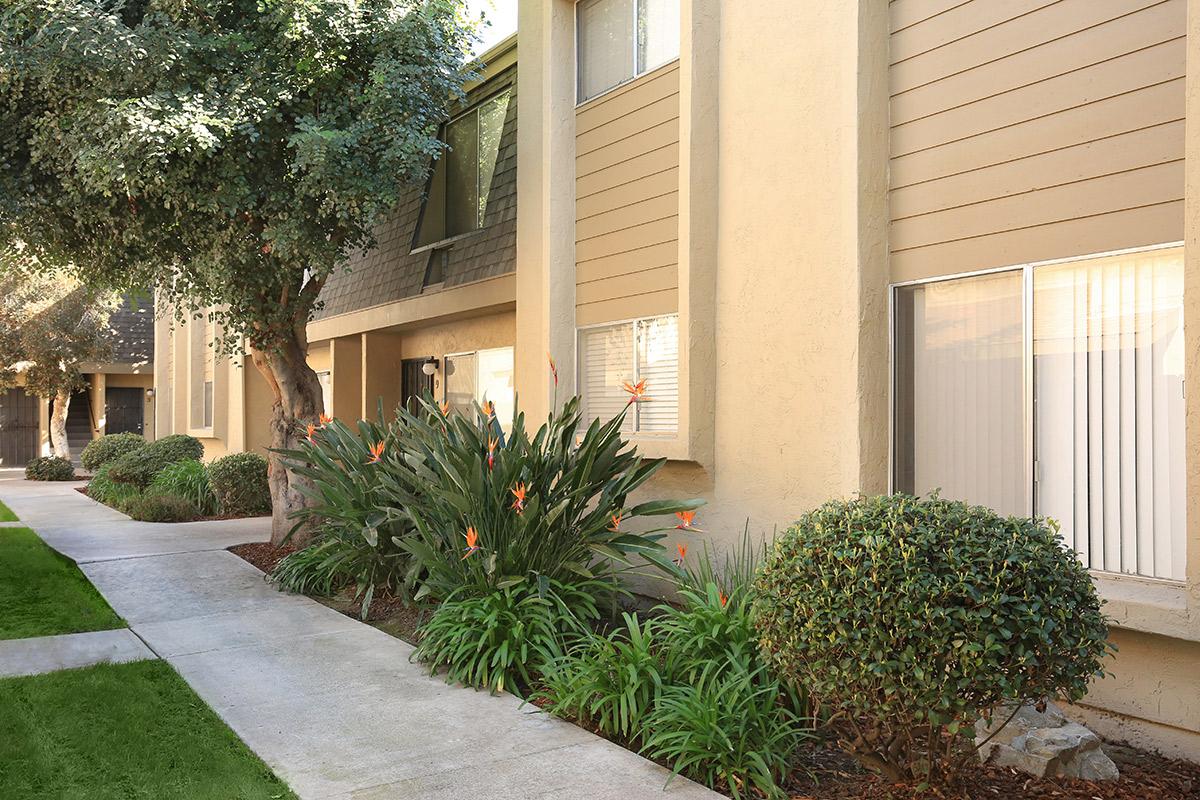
{"x": 967, "y": 402}
{"x": 1108, "y": 367}
{"x": 658, "y": 33}
{"x": 495, "y": 382}
{"x": 461, "y": 382}
{"x": 605, "y": 37}
{"x": 658, "y": 365}
{"x": 605, "y": 363}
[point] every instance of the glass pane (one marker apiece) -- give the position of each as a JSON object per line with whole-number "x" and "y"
{"x": 496, "y": 382}
{"x": 658, "y": 365}
{"x": 208, "y": 404}
{"x": 605, "y": 363}
{"x": 959, "y": 391}
{"x": 1108, "y": 375}
{"x": 605, "y": 38}
{"x": 491, "y": 128}
{"x": 658, "y": 33}
{"x": 460, "y": 382}
{"x": 462, "y": 176}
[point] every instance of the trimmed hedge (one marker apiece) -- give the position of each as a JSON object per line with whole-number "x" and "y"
{"x": 187, "y": 479}
{"x": 160, "y": 508}
{"x": 240, "y": 483}
{"x": 104, "y": 489}
{"x": 909, "y": 619}
{"x": 140, "y": 467}
{"x": 49, "y": 468}
{"x": 109, "y": 448}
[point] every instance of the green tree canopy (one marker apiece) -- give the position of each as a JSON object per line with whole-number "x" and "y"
{"x": 231, "y": 154}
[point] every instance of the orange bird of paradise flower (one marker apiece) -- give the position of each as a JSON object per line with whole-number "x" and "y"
{"x": 472, "y": 542}
{"x": 637, "y": 391}
{"x": 492, "y": 452}
{"x": 724, "y": 599}
{"x": 553, "y": 368}
{"x": 446, "y": 409}
{"x": 376, "y": 453}
{"x": 682, "y": 550}
{"x": 325, "y": 420}
{"x": 312, "y": 429}
{"x": 519, "y": 493}
{"x": 685, "y": 520}
{"x": 616, "y": 522}
{"x": 488, "y": 408}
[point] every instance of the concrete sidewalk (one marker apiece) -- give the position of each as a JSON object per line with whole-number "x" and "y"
{"x": 332, "y": 705}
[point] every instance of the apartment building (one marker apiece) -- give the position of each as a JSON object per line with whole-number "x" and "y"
{"x": 917, "y": 245}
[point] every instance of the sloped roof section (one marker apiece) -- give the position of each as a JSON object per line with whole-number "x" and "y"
{"x": 133, "y": 329}
{"x": 393, "y": 272}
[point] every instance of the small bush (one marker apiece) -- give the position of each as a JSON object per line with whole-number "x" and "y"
{"x": 104, "y": 489}
{"x": 239, "y": 482}
{"x": 496, "y": 640}
{"x": 49, "y": 468}
{"x": 109, "y": 448}
{"x": 727, "y": 728}
{"x": 140, "y": 467}
{"x": 608, "y": 682}
{"x": 189, "y": 480}
{"x": 159, "y": 508}
{"x": 910, "y": 618}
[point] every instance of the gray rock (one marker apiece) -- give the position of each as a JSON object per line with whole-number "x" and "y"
{"x": 1043, "y": 743}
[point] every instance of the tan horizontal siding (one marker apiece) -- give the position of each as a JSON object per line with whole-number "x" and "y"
{"x": 1048, "y": 24}
{"x": 1044, "y": 139}
{"x": 627, "y": 201}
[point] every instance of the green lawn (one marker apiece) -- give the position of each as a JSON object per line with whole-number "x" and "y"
{"x": 44, "y": 594}
{"x": 120, "y": 732}
{"x": 6, "y": 514}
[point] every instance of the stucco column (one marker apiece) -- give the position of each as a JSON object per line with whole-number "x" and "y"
{"x": 380, "y": 374}
{"x": 546, "y": 199}
{"x": 345, "y": 360}
{"x": 699, "y": 190}
{"x": 98, "y": 392}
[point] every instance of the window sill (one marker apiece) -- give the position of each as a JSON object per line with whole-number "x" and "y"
{"x": 672, "y": 448}
{"x": 201, "y": 433}
{"x": 1147, "y": 605}
{"x": 425, "y": 248}
{"x": 581, "y": 104}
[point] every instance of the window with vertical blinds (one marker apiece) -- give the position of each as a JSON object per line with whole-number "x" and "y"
{"x": 479, "y": 377}
{"x": 617, "y": 40}
{"x": 1056, "y": 390}
{"x": 628, "y": 352}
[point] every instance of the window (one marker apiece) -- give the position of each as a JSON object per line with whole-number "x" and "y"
{"x": 462, "y": 178}
{"x": 479, "y": 377}
{"x": 1055, "y": 389}
{"x": 325, "y": 378}
{"x": 202, "y": 371}
{"x": 644, "y": 349}
{"x": 618, "y": 40}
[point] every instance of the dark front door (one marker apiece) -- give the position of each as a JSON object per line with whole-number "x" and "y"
{"x": 18, "y": 427}
{"x": 123, "y": 410}
{"x": 413, "y": 382}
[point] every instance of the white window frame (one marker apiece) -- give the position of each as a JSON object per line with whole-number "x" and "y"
{"x": 505, "y": 424}
{"x": 1027, "y": 388}
{"x": 646, "y": 70}
{"x": 636, "y": 372}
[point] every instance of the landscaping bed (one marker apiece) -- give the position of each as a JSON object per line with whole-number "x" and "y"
{"x": 43, "y": 593}
{"x": 120, "y": 731}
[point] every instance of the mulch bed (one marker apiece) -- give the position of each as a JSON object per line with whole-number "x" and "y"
{"x": 826, "y": 774}
{"x": 263, "y": 555}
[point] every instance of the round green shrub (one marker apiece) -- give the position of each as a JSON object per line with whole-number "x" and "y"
{"x": 240, "y": 483}
{"x": 49, "y": 468}
{"x": 907, "y": 619}
{"x": 160, "y": 508}
{"x": 189, "y": 480}
{"x": 109, "y": 448}
{"x": 103, "y": 489}
{"x": 141, "y": 466}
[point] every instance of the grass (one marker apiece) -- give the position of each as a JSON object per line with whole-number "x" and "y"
{"x": 44, "y": 594}
{"x": 122, "y": 732}
{"x": 6, "y": 514}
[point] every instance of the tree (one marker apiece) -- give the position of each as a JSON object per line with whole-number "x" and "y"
{"x": 230, "y": 153}
{"x": 49, "y": 326}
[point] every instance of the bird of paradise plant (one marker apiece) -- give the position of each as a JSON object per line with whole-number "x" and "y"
{"x": 636, "y": 391}
{"x": 376, "y": 452}
{"x": 472, "y": 542}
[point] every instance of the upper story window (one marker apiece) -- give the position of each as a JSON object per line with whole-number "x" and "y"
{"x": 618, "y": 40}
{"x": 202, "y": 367}
{"x": 462, "y": 177}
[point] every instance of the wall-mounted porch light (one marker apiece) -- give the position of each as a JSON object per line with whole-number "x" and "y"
{"x": 430, "y": 366}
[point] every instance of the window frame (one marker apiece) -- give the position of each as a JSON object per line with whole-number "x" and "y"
{"x": 443, "y": 134}
{"x": 636, "y": 372}
{"x": 504, "y": 424}
{"x": 1026, "y": 271}
{"x": 636, "y": 6}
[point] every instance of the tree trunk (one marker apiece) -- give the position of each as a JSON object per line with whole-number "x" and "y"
{"x": 298, "y": 403}
{"x": 58, "y": 425}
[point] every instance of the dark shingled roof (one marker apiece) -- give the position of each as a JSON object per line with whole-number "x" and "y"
{"x": 392, "y": 272}
{"x": 133, "y": 326}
